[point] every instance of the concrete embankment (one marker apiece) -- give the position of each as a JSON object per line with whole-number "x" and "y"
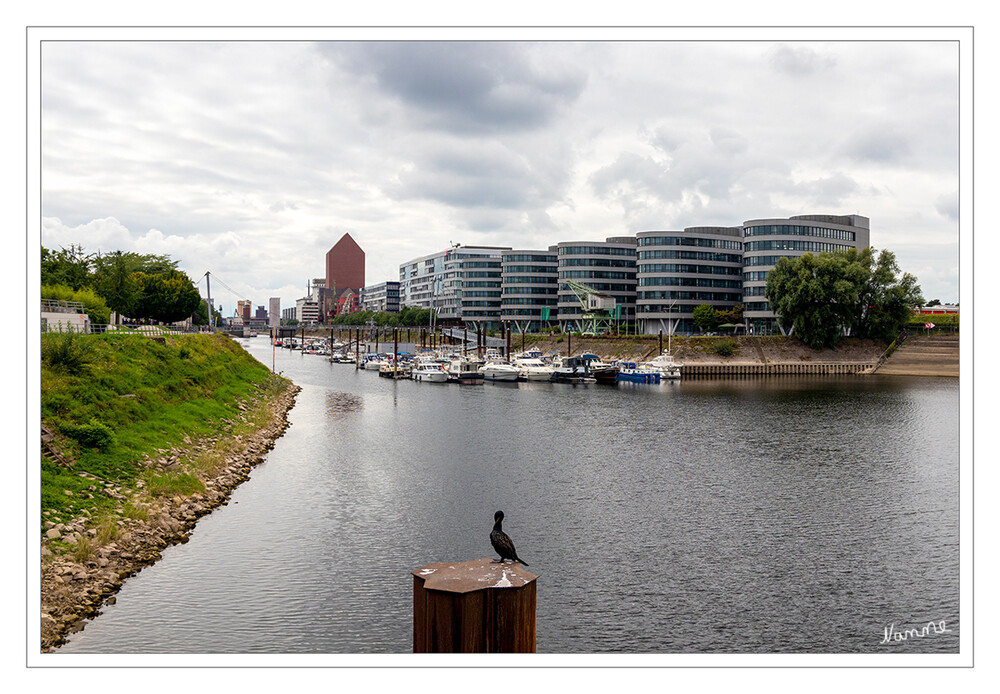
{"x": 924, "y": 356}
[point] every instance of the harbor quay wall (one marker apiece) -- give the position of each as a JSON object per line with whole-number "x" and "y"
{"x": 709, "y": 370}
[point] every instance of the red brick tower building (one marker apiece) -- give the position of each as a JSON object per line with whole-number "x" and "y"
{"x": 345, "y": 266}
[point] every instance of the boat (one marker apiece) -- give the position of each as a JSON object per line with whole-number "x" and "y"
{"x": 500, "y": 371}
{"x": 665, "y": 365}
{"x": 374, "y": 362}
{"x": 432, "y": 372}
{"x": 630, "y": 372}
{"x": 572, "y": 370}
{"x": 390, "y": 370}
{"x": 602, "y": 372}
{"x": 533, "y": 369}
{"x": 465, "y": 371}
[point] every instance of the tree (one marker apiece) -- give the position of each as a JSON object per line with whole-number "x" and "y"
{"x": 166, "y": 297}
{"x": 732, "y": 315}
{"x": 114, "y": 280}
{"x": 821, "y": 297}
{"x": 886, "y": 299}
{"x": 67, "y": 267}
{"x": 705, "y": 317}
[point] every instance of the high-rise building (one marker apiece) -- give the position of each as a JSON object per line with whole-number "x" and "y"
{"x": 461, "y": 284}
{"x": 383, "y": 296}
{"x": 530, "y": 288}
{"x": 767, "y": 240}
{"x": 345, "y": 266}
{"x": 606, "y": 267}
{"x": 678, "y": 271}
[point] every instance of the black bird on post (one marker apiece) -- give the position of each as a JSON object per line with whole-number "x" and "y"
{"x": 503, "y": 545}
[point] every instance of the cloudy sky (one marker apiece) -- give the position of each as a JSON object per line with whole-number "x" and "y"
{"x": 250, "y": 159}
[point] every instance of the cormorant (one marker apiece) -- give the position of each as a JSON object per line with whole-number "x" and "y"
{"x": 503, "y": 545}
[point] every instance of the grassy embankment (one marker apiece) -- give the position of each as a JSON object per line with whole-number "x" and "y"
{"x": 115, "y": 403}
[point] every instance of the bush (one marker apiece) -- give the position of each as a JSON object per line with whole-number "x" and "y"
{"x": 70, "y": 352}
{"x": 725, "y": 348}
{"x": 92, "y": 435}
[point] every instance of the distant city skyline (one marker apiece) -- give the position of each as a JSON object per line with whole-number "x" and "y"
{"x": 250, "y": 159}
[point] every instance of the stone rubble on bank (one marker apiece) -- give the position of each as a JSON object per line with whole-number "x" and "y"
{"x": 72, "y": 593}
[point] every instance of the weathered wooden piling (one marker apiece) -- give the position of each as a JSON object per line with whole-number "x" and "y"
{"x": 477, "y": 606}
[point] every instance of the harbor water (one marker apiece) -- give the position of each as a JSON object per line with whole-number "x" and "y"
{"x": 813, "y": 514}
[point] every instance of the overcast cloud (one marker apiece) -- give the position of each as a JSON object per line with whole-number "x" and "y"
{"x": 251, "y": 159}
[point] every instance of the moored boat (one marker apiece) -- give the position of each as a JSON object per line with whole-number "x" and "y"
{"x": 533, "y": 369}
{"x": 665, "y": 365}
{"x": 630, "y": 372}
{"x": 465, "y": 371}
{"x": 500, "y": 371}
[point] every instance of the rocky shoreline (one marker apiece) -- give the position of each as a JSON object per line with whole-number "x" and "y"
{"x": 73, "y": 592}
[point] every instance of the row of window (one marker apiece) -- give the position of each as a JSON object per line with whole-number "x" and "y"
{"x": 799, "y": 230}
{"x": 536, "y": 291}
{"x": 534, "y": 269}
{"x": 789, "y": 245}
{"x": 595, "y": 262}
{"x": 552, "y": 279}
{"x": 529, "y": 301}
{"x": 689, "y": 241}
{"x": 595, "y": 250}
{"x": 678, "y": 269}
{"x": 691, "y": 282}
{"x": 595, "y": 274}
{"x": 527, "y": 258}
{"x": 690, "y": 255}
{"x": 726, "y": 297}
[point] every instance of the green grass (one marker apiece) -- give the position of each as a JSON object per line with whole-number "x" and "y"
{"x": 133, "y": 397}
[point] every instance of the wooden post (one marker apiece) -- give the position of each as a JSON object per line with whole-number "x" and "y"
{"x": 395, "y": 353}
{"x": 476, "y": 606}
{"x": 661, "y": 343}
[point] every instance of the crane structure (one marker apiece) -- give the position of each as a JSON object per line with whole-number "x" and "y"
{"x": 599, "y": 309}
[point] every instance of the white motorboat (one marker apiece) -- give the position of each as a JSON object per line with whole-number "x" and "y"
{"x": 665, "y": 365}
{"x": 374, "y": 363}
{"x": 430, "y": 372}
{"x": 500, "y": 371}
{"x": 534, "y": 369}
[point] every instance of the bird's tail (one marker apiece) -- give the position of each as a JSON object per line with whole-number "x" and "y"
{"x": 523, "y": 562}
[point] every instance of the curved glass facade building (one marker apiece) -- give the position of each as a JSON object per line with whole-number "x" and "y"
{"x": 767, "y": 240}
{"x": 530, "y": 286}
{"x": 676, "y": 271}
{"x": 608, "y": 268}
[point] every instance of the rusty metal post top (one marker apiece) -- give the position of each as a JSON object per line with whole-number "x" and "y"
{"x": 469, "y": 576}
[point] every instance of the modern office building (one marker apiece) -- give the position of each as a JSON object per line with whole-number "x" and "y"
{"x": 461, "y": 284}
{"x": 677, "y": 271}
{"x": 383, "y": 296}
{"x": 606, "y": 267}
{"x": 345, "y": 266}
{"x": 307, "y": 310}
{"x": 767, "y": 240}
{"x": 529, "y": 288}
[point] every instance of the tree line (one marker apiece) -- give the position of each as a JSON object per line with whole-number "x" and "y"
{"x": 140, "y": 286}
